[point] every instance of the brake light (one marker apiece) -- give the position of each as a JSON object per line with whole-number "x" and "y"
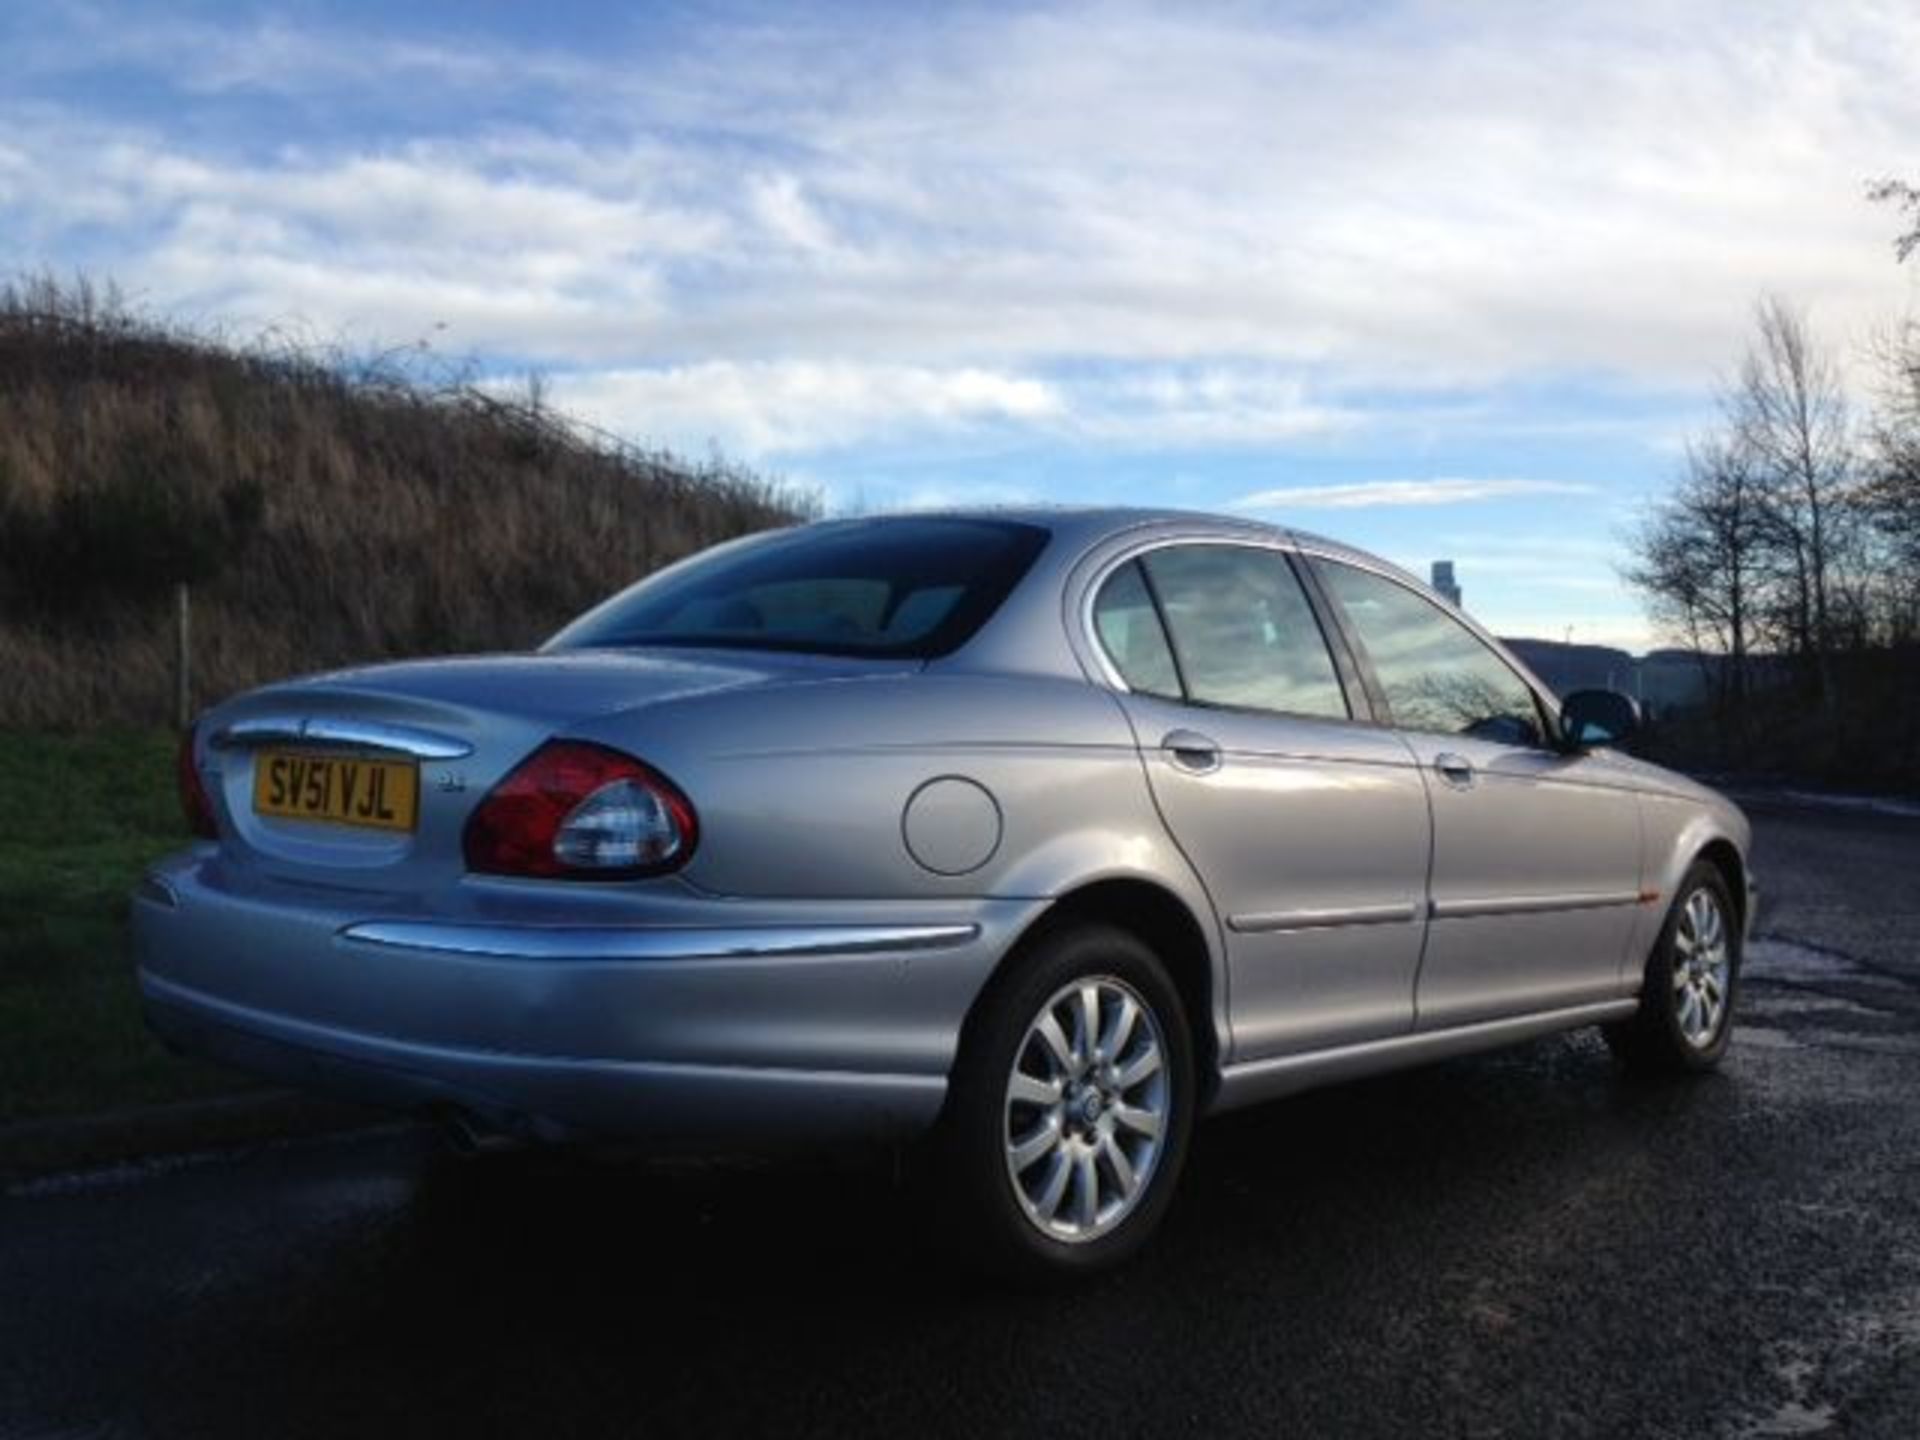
{"x": 195, "y": 803}
{"x": 576, "y": 811}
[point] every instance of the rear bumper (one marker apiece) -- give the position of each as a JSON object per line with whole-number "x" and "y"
{"x": 547, "y": 1098}
{"x": 682, "y": 1020}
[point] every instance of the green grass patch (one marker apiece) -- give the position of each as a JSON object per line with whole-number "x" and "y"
{"x": 83, "y": 816}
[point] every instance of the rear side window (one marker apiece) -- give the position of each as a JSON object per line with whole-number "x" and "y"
{"x": 1131, "y": 634}
{"x": 1437, "y": 674}
{"x": 1241, "y": 630}
{"x": 911, "y": 587}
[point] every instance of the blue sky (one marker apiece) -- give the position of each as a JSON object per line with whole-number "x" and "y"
{"x": 1444, "y": 280}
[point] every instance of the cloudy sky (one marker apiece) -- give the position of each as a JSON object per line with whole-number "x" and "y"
{"x": 1442, "y": 279}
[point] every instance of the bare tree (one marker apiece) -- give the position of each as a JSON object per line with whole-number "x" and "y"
{"x": 1893, "y": 493}
{"x": 1792, "y": 541}
{"x": 1700, "y": 553}
{"x": 1893, "y": 489}
{"x": 1788, "y": 414}
{"x": 1901, "y": 196}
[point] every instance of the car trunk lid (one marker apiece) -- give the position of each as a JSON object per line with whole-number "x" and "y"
{"x": 398, "y": 755}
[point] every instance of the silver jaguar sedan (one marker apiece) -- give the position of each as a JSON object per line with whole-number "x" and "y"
{"x": 1038, "y": 833}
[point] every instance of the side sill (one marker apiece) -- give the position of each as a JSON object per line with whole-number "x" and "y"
{"x": 1257, "y": 1080}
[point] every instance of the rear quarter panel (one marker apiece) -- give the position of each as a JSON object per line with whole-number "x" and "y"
{"x": 802, "y": 790}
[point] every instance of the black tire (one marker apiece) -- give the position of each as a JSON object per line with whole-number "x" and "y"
{"x": 985, "y": 1212}
{"x": 1654, "y": 1041}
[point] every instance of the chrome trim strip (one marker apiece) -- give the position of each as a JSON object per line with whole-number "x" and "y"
{"x": 1255, "y": 1080}
{"x": 655, "y": 942}
{"x": 339, "y": 730}
{"x": 1317, "y": 548}
{"x": 1260, "y": 924}
{"x": 1529, "y": 904}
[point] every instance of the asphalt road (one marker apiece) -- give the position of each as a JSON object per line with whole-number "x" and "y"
{"x": 1523, "y": 1244}
{"x": 1840, "y": 876}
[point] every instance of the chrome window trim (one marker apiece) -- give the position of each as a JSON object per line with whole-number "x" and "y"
{"x": 260, "y": 730}
{"x": 654, "y": 942}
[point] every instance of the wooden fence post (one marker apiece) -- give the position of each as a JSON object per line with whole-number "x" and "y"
{"x": 182, "y": 658}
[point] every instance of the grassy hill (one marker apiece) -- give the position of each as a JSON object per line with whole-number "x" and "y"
{"x": 325, "y": 509}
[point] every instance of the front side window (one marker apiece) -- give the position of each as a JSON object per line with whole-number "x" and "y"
{"x": 911, "y": 587}
{"x": 1243, "y": 633}
{"x": 1437, "y": 674}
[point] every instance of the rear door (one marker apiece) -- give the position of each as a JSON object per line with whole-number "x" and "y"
{"x": 1307, "y": 825}
{"x": 1536, "y": 859}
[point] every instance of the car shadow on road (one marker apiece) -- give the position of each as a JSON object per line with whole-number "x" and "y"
{"x": 866, "y": 1222}
{"x": 746, "y": 1296}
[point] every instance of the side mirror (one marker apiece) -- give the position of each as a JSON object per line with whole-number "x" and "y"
{"x": 1598, "y": 717}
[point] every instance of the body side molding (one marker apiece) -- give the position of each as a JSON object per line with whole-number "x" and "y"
{"x": 1255, "y": 924}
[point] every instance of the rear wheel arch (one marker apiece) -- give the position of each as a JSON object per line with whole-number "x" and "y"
{"x": 1111, "y": 939}
{"x": 1159, "y": 918}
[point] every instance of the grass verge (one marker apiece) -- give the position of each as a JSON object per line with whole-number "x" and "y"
{"x": 83, "y": 816}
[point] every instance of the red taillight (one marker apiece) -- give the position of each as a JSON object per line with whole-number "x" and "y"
{"x": 195, "y": 803}
{"x": 576, "y": 811}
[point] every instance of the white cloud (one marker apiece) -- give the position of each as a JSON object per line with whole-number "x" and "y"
{"x": 1372, "y": 494}
{"x": 800, "y": 229}
{"x": 776, "y": 407}
{"x": 793, "y": 406}
{"x": 788, "y": 215}
{"x": 951, "y": 497}
{"x": 273, "y": 56}
{"x": 1218, "y": 404}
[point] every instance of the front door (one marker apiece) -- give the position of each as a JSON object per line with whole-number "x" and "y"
{"x": 1536, "y": 859}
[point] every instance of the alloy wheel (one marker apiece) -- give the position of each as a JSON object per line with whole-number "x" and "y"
{"x": 1702, "y": 969}
{"x": 1087, "y": 1107}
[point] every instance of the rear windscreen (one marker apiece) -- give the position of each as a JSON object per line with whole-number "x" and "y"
{"x": 906, "y": 588}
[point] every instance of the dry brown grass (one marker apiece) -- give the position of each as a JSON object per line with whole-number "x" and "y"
{"x": 357, "y": 509}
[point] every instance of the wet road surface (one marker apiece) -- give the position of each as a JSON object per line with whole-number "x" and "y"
{"x": 1521, "y": 1244}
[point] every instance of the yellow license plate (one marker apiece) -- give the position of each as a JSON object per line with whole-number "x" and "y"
{"x": 337, "y": 789}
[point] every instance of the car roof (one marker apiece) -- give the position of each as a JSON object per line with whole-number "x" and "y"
{"x": 1083, "y": 525}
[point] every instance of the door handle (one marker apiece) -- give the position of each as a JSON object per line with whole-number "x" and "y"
{"x": 1454, "y": 769}
{"x": 1193, "y": 752}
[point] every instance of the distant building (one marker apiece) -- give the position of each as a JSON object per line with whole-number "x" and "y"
{"x": 1661, "y": 680}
